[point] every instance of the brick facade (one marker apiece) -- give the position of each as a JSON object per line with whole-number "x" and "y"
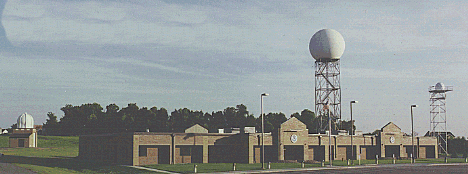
{"x": 290, "y": 141}
{"x": 26, "y": 137}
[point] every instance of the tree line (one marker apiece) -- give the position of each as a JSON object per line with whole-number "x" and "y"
{"x": 92, "y": 118}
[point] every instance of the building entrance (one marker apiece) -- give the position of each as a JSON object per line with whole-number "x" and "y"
{"x": 391, "y": 150}
{"x": 294, "y": 152}
{"x": 20, "y": 142}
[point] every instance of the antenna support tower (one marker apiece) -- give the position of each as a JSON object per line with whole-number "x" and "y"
{"x": 327, "y": 91}
{"x": 438, "y": 122}
{"x": 326, "y": 47}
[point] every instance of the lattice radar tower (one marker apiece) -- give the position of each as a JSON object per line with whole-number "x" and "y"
{"x": 326, "y": 47}
{"x": 438, "y": 114}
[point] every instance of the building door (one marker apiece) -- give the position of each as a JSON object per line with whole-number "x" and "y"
{"x": 197, "y": 154}
{"x": 294, "y": 152}
{"x": 391, "y": 150}
{"x": 319, "y": 153}
{"x": 257, "y": 156}
{"x": 152, "y": 154}
{"x": 409, "y": 151}
{"x": 20, "y": 142}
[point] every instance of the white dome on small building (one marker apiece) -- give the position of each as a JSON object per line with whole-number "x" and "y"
{"x": 439, "y": 86}
{"x": 327, "y": 44}
{"x": 25, "y": 121}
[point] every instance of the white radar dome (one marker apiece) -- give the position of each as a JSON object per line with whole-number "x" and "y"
{"x": 439, "y": 86}
{"x": 25, "y": 121}
{"x": 327, "y": 44}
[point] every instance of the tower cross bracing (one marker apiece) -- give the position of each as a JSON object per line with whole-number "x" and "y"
{"x": 438, "y": 115}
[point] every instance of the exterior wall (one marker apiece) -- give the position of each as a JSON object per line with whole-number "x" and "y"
{"x": 228, "y": 149}
{"x": 255, "y": 148}
{"x": 112, "y": 148}
{"x": 191, "y": 147}
{"x": 155, "y": 145}
{"x": 293, "y": 133}
{"x": 391, "y": 136}
{"x": 15, "y": 142}
{"x": 290, "y": 141}
{"x": 27, "y": 137}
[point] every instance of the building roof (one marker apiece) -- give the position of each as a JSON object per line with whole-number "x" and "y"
{"x": 196, "y": 129}
{"x": 391, "y": 127}
{"x": 432, "y": 134}
{"x": 20, "y": 135}
{"x": 293, "y": 123}
{"x": 25, "y": 121}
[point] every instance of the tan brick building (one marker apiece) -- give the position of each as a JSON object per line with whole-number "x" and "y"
{"x": 291, "y": 141}
{"x": 25, "y": 135}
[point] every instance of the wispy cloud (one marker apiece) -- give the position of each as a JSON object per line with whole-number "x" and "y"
{"x": 212, "y": 54}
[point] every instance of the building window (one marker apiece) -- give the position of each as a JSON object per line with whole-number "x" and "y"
{"x": 142, "y": 151}
{"x": 185, "y": 151}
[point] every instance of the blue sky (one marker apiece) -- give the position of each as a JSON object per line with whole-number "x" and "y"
{"x": 209, "y": 55}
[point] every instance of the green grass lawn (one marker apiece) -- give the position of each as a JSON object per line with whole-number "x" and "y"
{"x": 56, "y": 154}
{"x": 224, "y": 167}
{"x": 4, "y": 141}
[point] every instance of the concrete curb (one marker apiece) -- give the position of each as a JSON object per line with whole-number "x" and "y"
{"x": 448, "y": 164}
{"x": 314, "y": 168}
{"x": 299, "y": 169}
{"x": 151, "y": 169}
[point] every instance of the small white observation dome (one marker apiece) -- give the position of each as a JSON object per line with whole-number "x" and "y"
{"x": 25, "y": 121}
{"x": 439, "y": 86}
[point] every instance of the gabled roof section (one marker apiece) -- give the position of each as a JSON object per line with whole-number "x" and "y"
{"x": 196, "y": 129}
{"x": 293, "y": 124}
{"x": 391, "y": 127}
{"x": 433, "y": 134}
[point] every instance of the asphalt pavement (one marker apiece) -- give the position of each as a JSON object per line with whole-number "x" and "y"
{"x": 395, "y": 168}
{"x": 6, "y": 168}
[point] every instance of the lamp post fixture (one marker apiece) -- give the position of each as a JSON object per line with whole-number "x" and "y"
{"x": 329, "y": 136}
{"x": 412, "y": 133}
{"x": 263, "y": 130}
{"x": 352, "y": 129}
{"x": 326, "y": 107}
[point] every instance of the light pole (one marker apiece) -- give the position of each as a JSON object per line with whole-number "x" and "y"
{"x": 263, "y": 130}
{"x": 412, "y": 132}
{"x": 329, "y": 134}
{"x": 352, "y": 129}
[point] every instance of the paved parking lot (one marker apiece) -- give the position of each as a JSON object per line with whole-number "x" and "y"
{"x": 12, "y": 169}
{"x": 399, "y": 169}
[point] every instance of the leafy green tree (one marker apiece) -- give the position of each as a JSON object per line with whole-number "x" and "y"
{"x": 309, "y": 119}
{"x": 160, "y": 120}
{"x": 143, "y": 119}
{"x": 236, "y": 117}
{"x": 181, "y": 119}
{"x": 82, "y": 119}
{"x": 51, "y": 127}
{"x": 272, "y": 121}
{"x": 217, "y": 121}
{"x": 250, "y": 121}
{"x": 112, "y": 119}
{"x": 52, "y": 119}
{"x": 71, "y": 123}
{"x": 129, "y": 115}
{"x": 346, "y": 125}
{"x": 231, "y": 120}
